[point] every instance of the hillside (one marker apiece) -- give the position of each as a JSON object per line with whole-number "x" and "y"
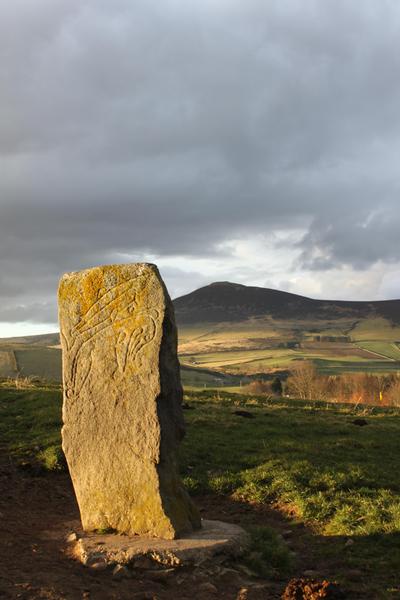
{"x": 45, "y": 339}
{"x": 229, "y": 331}
{"x": 249, "y": 330}
{"x": 224, "y": 301}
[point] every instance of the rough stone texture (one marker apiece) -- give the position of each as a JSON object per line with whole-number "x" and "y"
{"x": 214, "y": 538}
{"x": 122, "y": 401}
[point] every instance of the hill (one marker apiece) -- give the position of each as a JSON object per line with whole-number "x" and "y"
{"x": 228, "y": 331}
{"x": 246, "y": 330}
{"x": 225, "y": 301}
{"x": 45, "y": 339}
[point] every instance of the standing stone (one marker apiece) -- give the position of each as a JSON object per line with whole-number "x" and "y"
{"x": 122, "y": 401}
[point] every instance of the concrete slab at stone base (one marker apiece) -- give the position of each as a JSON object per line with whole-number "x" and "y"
{"x": 215, "y": 538}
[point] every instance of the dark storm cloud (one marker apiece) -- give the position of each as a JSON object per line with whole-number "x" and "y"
{"x": 362, "y": 239}
{"x": 168, "y": 128}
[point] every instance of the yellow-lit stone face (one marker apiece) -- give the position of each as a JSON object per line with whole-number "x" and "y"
{"x": 121, "y": 427}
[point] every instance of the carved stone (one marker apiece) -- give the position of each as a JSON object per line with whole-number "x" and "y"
{"x": 122, "y": 401}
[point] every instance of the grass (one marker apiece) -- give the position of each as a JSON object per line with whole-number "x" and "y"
{"x": 39, "y": 362}
{"x": 341, "y": 478}
{"x": 377, "y": 329}
{"x": 267, "y": 554}
{"x": 30, "y": 422}
{"x": 199, "y": 378}
{"x": 313, "y": 458}
{"x": 264, "y": 361}
{"x": 308, "y": 458}
{"x": 8, "y": 363}
{"x": 27, "y": 360}
{"x": 337, "y": 367}
{"x": 385, "y": 349}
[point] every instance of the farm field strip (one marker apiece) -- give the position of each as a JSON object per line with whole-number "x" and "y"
{"x": 233, "y": 349}
{"x": 274, "y": 358}
{"x": 387, "y": 350}
{"x": 337, "y": 367}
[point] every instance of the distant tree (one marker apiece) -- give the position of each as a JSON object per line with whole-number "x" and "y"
{"x": 276, "y": 386}
{"x": 357, "y": 388}
{"x": 305, "y": 383}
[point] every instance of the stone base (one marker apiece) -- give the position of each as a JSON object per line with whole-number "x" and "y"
{"x": 137, "y": 552}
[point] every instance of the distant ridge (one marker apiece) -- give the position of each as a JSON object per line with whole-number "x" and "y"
{"x": 225, "y": 301}
{"x": 44, "y": 339}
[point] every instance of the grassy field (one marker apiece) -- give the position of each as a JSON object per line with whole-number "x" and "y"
{"x": 39, "y": 362}
{"x": 328, "y": 360}
{"x": 215, "y": 355}
{"x": 30, "y": 422}
{"x": 309, "y": 460}
{"x": 8, "y": 363}
{"x": 388, "y": 350}
{"x": 26, "y": 360}
{"x": 377, "y": 329}
{"x": 201, "y": 378}
{"x": 308, "y": 455}
{"x": 265, "y": 345}
{"x": 337, "y": 367}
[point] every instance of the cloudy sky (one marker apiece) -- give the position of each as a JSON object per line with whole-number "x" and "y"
{"x": 240, "y": 140}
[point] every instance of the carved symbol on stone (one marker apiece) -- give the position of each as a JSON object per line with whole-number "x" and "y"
{"x": 116, "y": 312}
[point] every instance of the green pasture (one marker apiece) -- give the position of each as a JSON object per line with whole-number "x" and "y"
{"x": 199, "y": 378}
{"x": 8, "y": 363}
{"x": 341, "y": 480}
{"x": 389, "y": 350}
{"x": 29, "y": 360}
{"x": 30, "y": 422}
{"x": 39, "y": 362}
{"x": 337, "y": 367}
{"x": 259, "y": 361}
{"x": 231, "y": 357}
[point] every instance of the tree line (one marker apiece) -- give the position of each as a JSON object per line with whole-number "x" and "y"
{"x": 305, "y": 383}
